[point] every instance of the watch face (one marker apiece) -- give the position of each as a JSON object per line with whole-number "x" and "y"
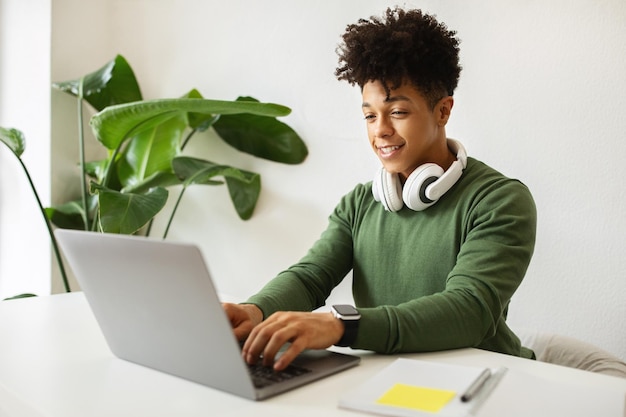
{"x": 346, "y": 310}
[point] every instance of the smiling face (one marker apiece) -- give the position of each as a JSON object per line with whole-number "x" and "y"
{"x": 404, "y": 131}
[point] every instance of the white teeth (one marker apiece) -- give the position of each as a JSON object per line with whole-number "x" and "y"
{"x": 388, "y": 149}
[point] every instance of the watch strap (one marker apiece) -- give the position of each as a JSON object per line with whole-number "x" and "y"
{"x": 351, "y": 329}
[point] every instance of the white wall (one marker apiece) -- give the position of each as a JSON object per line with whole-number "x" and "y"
{"x": 24, "y": 105}
{"x": 541, "y": 98}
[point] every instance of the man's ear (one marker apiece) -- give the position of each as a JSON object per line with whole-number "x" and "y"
{"x": 443, "y": 109}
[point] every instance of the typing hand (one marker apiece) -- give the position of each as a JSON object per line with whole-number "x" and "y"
{"x": 243, "y": 318}
{"x": 302, "y": 330}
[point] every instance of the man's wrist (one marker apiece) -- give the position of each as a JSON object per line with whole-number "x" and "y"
{"x": 255, "y": 313}
{"x": 350, "y": 318}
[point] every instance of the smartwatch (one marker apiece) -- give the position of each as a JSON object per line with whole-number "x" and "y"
{"x": 350, "y": 317}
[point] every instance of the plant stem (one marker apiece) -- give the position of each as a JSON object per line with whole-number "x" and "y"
{"x": 169, "y": 222}
{"x": 180, "y": 196}
{"x": 149, "y": 228}
{"x": 55, "y": 246}
{"x": 81, "y": 149}
{"x": 182, "y": 146}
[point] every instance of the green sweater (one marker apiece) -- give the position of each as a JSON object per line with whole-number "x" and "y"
{"x": 427, "y": 280}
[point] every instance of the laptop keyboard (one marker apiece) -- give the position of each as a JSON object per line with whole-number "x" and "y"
{"x": 262, "y": 376}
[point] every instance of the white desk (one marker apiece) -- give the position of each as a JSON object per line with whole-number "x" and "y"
{"x": 55, "y": 362}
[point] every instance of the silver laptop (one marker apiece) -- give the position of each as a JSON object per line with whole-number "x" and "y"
{"x": 157, "y": 306}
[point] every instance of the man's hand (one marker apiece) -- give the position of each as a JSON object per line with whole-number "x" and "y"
{"x": 302, "y": 330}
{"x": 243, "y": 318}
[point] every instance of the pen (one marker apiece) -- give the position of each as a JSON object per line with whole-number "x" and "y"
{"x": 476, "y": 386}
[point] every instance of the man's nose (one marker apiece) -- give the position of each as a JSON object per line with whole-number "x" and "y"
{"x": 383, "y": 128}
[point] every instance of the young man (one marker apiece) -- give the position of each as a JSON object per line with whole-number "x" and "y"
{"x": 437, "y": 242}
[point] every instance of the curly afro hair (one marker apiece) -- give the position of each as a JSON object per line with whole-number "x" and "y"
{"x": 403, "y": 46}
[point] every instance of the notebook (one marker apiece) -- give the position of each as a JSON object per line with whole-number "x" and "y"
{"x": 157, "y": 306}
{"x": 414, "y": 388}
{"x": 417, "y": 388}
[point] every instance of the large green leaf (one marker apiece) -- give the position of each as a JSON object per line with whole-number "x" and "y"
{"x": 70, "y": 215}
{"x": 158, "y": 179}
{"x": 151, "y": 151}
{"x": 126, "y": 213}
{"x": 244, "y": 194}
{"x": 14, "y": 139}
{"x": 244, "y": 187}
{"x": 96, "y": 169}
{"x": 114, "y": 83}
{"x": 116, "y": 123}
{"x": 199, "y": 121}
{"x": 17, "y": 297}
{"x": 199, "y": 171}
{"x": 261, "y": 136}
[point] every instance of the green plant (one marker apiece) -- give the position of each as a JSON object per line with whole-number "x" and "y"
{"x": 145, "y": 140}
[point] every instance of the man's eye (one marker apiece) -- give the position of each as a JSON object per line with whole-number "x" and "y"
{"x": 369, "y": 117}
{"x": 399, "y": 113}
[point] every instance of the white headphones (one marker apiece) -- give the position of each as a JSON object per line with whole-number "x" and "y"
{"x": 423, "y": 187}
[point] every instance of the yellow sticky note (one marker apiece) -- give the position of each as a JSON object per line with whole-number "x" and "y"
{"x": 417, "y": 398}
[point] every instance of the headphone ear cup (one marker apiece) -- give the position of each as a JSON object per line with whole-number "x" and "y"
{"x": 414, "y": 191}
{"x": 387, "y": 189}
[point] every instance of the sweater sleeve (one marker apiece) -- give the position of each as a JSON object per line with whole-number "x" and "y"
{"x": 496, "y": 247}
{"x": 307, "y": 284}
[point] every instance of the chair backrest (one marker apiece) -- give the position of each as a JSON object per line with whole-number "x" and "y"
{"x": 573, "y": 353}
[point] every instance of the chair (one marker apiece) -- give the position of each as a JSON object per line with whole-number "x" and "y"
{"x": 571, "y": 352}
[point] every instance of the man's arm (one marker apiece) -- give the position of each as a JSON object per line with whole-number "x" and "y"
{"x": 286, "y": 301}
